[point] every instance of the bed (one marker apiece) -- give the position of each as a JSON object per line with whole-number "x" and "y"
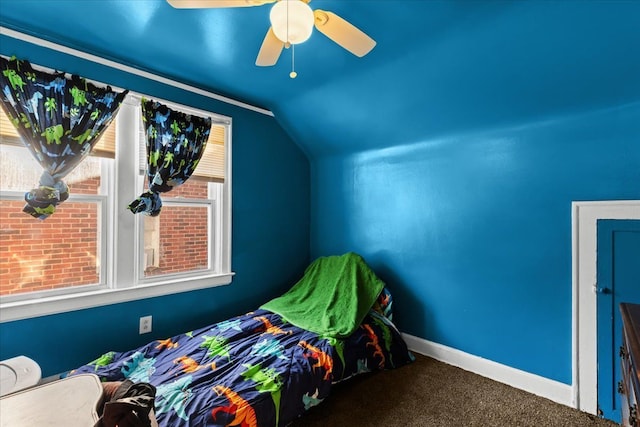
{"x": 267, "y": 367}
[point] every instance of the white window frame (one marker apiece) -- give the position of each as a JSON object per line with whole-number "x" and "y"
{"x": 120, "y": 259}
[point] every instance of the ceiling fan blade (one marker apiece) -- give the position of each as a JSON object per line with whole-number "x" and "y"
{"x": 343, "y": 33}
{"x": 197, "y": 4}
{"x": 270, "y": 50}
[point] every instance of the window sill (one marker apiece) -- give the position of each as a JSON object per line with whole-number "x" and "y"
{"x": 64, "y": 303}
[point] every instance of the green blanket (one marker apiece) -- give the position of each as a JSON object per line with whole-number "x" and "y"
{"x": 332, "y": 298}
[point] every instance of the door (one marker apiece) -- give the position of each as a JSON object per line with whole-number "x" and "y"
{"x": 618, "y": 280}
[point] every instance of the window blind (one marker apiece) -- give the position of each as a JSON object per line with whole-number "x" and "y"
{"x": 211, "y": 166}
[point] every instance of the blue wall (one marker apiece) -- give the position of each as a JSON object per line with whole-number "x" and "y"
{"x": 472, "y": 232}
{"x": 270, "y": 243}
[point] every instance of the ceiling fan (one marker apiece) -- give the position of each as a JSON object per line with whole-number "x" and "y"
{"x": 292, "y": 22}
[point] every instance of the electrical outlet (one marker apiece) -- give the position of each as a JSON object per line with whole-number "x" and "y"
{"x": 145, "y": 324}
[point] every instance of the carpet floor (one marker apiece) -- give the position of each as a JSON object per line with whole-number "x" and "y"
{"x": 431, "y": 393}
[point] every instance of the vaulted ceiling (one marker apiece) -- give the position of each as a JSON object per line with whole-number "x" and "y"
{"x": 439, "y": 67}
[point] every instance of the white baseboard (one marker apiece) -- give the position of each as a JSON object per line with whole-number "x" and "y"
{"x": 541, "y": 386}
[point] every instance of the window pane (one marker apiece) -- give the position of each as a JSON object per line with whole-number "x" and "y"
{"x": 177, "y": 240}
{"x": 21, "y": 172}
{"x": 59, "y": 252}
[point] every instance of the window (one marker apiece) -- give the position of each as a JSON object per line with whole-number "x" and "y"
{"x": 92, "y": 248}
{"x": 60, "y": 253}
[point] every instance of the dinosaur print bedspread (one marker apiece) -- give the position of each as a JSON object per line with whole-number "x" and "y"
{"x": 253, "y": 370}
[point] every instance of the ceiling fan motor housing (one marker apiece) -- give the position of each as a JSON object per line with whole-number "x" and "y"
{"x": 292, "y": 21}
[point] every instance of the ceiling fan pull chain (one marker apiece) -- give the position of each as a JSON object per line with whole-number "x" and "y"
{"x": 293, "y": 73}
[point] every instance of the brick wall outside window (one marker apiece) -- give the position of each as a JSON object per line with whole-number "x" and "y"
{"x": 183, "y": 240}
{"x": 58, "y": 252}
{"x": 182, "y": 232}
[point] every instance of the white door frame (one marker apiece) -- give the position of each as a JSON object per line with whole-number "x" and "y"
{"x": 584, "y": 217}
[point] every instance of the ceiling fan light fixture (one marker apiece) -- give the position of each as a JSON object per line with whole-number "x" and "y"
{"x": 292, "y": 21}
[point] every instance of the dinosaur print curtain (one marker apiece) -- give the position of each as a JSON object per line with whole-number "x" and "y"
{"x": 175, "y": 143}
{"x": 59, "y": 119}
